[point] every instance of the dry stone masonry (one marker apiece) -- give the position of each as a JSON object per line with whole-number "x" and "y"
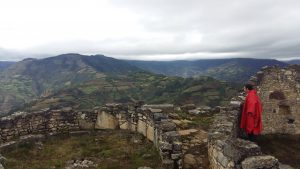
{"x": 149, "y": 120}
{"x": 227, "y": 151}
{"x": 279, "y": 90}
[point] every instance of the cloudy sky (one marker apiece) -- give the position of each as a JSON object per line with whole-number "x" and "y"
{"x": 150, "y": 29}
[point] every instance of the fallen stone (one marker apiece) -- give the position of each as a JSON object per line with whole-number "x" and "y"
{"x": 174, "y": 116}
{"x": 155, "y": 110}
{"x": 188, "y": 107}
{"x": 186, "y": 121}
{"x": 187, "y": 132}
{"x": 194, "y": 112}
{"x": 177, "y": 122}
{"x": 255, "y": 162}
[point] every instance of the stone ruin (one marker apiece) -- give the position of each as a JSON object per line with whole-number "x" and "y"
{"x": 227, "y": 151}
{"x": 149, "y": 120}
{"x": 279, "y": 91}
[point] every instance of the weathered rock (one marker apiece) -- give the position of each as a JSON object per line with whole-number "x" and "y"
{"x": 239, "y": 149}
{"x": 255, "y": 162}
{"x": 167, "y": 108}
{"x": 187, "y": 132}
{"x": 167, "y": 126}
{"x": 160, "y": 116}
{"x": 171, "y": 136}
{"x": 194, "y": 112}
{"x": 188, "y": 107}
{"x": 279, "y": 92}
{"x": 165, "y": 146}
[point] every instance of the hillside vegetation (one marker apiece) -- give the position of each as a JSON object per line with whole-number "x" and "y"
{"x": 137, "y": 86}
{"x": 232, "y": 70}
{"x": 87, "y": 81}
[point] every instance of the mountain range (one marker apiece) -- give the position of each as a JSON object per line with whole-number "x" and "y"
{"x": 233, "y": 70}
{"x": 293, "y": 62}
{"x": 87, "y": 81}
{"x": 5, "y": 64}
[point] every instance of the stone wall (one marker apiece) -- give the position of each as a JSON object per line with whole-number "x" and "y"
{"x": 41, "y": 122}
{"x": 279, "y": 90}
{"x": 227, "y": 151}
{"x": 150, "y": 120}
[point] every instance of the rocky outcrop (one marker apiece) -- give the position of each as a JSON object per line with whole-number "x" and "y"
{"x": 150, "y": 120}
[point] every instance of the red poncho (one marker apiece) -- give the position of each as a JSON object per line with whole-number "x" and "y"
{"x": 251, "y": 119}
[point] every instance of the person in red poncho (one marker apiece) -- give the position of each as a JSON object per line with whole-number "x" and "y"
{"x": 251, "y": 120}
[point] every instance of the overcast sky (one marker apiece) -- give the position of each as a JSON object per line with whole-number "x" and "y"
{"x": 150, "y": 29}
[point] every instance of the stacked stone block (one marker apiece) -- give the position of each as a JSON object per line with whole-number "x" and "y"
{"x": 279, "y": 90}
{"x": 227, "y": 151}
{"x": 149, "y": 120}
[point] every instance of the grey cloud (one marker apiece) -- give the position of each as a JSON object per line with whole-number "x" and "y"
{"x": 258, "y": 28}
{"x": 251, "y": 28}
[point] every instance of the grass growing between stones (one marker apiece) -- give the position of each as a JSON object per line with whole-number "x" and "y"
{"x": 107, "y": 149}
{"x": 286, "y": 148}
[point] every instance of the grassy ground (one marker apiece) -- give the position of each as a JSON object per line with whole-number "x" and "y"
{"x": 202, "y": 121}
{"x": 284, "y": 147}
{"x": 110, "y": 150}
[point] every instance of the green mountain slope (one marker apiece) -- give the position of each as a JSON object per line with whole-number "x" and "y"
{"x": 232, "y": 70}
{"x": 87, "y": 81}
{"x": 32, "y": 78}
{"x": 138, "y": 86}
